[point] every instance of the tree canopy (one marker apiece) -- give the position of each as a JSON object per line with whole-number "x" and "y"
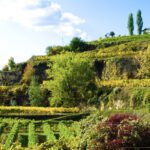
{"x": 73, "y": 80}
{"x": 77, "y": 45}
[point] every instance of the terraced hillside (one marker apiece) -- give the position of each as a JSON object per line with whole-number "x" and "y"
{"x": 28, "y": 133}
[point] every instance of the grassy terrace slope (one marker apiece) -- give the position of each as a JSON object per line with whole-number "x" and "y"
{"x": 27, "y": 134}
{"x": 125, "y": 83}
{"x": 120, "y": 89}
{"x": 126, "y": 46}
{"x": 114, "y": 48}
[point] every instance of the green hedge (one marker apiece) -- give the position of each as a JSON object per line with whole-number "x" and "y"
{"x": 12, "y": 135}
{"x": 31, "y": 135}
{"x": 48, "y": 132}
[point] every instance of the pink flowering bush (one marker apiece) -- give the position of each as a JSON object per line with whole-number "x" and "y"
{"x": 120, "y": 131}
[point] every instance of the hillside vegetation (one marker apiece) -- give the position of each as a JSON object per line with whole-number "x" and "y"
{"x": 115, "y": 62}
{"x": 51, "y": 95}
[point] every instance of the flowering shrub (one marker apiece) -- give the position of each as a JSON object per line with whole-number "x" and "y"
{"x": 120, "y": 131}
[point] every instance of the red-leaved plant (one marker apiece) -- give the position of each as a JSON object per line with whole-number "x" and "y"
{"x": 120, "y": 131}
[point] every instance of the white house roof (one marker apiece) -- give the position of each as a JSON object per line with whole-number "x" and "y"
{"x": 146, "y": 29}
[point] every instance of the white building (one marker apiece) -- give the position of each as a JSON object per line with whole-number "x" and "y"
{"x": 146, "y": 30}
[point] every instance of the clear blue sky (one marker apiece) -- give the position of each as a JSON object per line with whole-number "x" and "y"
{"x": 27, "y": 27}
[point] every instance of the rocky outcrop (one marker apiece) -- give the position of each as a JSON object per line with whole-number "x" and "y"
{"x": 121, "y": 68}
{"x": 14, "y": 76}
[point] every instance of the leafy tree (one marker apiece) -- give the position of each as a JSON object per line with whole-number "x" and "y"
{"x": 48, "y": 49}
{"x": 66, "y": 48}
{"x": 112, "y": 33}
{"x": 130, "y": 24}
{"x": 139, "y": 22}
{"x": 28, "y": 73}
{"x": 77, "y": 45}
{"x": 11, "y": 63}
{"x": 73, "y": 81}
{"x": 36, "y": 94}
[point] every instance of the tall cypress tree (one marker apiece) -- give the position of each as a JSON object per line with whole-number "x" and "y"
{"x": 130, "y": 24}
{"x": 139, "y": 22}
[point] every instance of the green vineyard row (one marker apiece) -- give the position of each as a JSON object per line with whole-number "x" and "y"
{"x": 28, "y": 133}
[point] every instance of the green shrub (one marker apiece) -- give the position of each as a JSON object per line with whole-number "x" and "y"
{"x": 64, "y": 132}
{"x": 146, "y": 98}
{"x": 12, "y": 135}
{"x": 68, "y": 137}
{"x": 31, "y": 135}
{"x": 37, "y": 95}
{"x": 77, "y": 45}
{"x": 48, "y": 132}
{"x": 73, "y": 81}
{"x": 136, "y": 97}
{"x": 86, "y": 126}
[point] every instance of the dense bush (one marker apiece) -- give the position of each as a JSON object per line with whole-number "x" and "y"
{"x": 120, "y": 130}
{"x": 12, "y": 135}
{"x": 146, "y": 98}
{"x": 31, "y": 135}
{"x": 86, "y": 127}
{"x": 16, "y": 92}
{"x": 77, "y": 45}
{"x": 37, "y": 95}
{"x": 136, "y": 97}
{"x": 73, "y": 81}
{"x": 69, "y": 137}
{"x": 49, "y": 133}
